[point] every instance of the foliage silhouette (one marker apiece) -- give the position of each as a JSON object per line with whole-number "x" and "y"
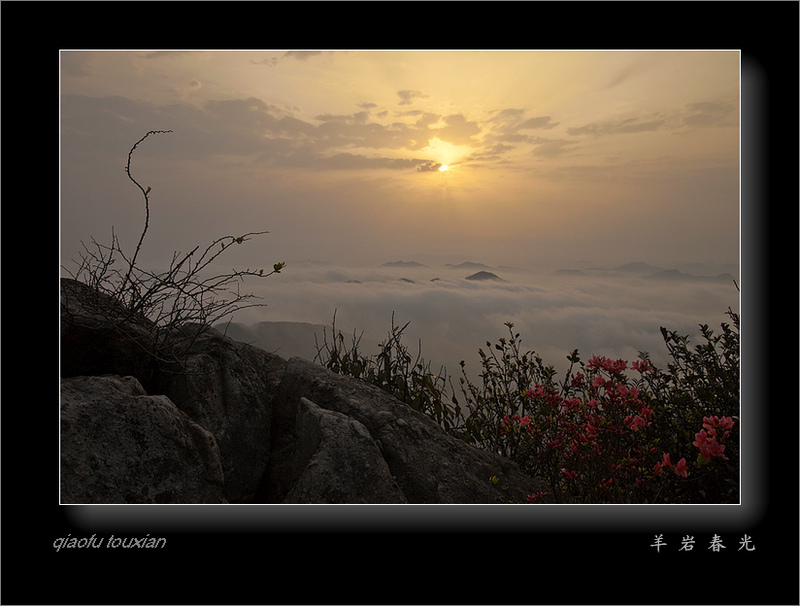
{"x": 393, "y": 369}
{"x": 177, "y": 304}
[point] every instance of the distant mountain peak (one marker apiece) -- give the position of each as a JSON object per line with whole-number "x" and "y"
{"x": 484, "y": 275}
{"x": 639, "y": 266}
{"x": 403, "y": 264}
{"x": 467, "y": 265}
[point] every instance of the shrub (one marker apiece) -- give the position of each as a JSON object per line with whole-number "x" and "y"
{"x": 606, "y": 433}
{"x": 600, "y": 436}
{"x": 393, "y": 369}
{"x": 185, "y": 296}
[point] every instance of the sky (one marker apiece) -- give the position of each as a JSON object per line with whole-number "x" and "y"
{"x": 554, "y": 159}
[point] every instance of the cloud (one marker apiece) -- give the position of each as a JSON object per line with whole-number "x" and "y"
{"x": 428, "y": 166}
{"x": 629, "y": 71}
{"x": 458, "y": 130}
{"x": 301, "y": 55}
{"x": 551, "y": 148}
{"x": 358, "y": 118}
{"x": 506, "y": 126}
{"x": 407, "y": 96}
{"x": 340, "y": 161}
{"x": 619, "y": 127}
{"x": 512, "y": 120}
{"x": 270, "y": 134}
{"x": 265, "y": 132}
{"x": 710, "y": 113}
{"x": 540, "y": 122}
{"x": 611, "y": 315}
{"x": 698, "y": 114}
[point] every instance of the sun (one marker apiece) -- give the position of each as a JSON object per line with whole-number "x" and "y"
{"x": 443, "y": 167}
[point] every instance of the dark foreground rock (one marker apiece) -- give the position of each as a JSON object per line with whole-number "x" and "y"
{"x": 232, "y": 423}
{"x": 120, "y": 445}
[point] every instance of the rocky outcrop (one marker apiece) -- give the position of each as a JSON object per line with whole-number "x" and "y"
{"x": 120, "y": 445}
{"x": 428, "y": 465}
{"x": 228, "y": 388}
{"x": 228, "y": 422}
{"x": 328, "y": 457}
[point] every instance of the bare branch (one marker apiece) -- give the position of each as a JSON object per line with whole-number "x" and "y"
{"x": 179, "y": 302}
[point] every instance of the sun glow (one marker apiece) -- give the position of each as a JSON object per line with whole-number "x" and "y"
{"x": 443, "y": 167}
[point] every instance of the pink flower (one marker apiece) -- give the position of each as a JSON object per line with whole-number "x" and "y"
{"x": 615, "y": 367}
{"x": 537, "y": 391}
{"x": 595, "y": 363}
{"x": 637, "y": 423}
{"x": 708, "y": 446}
{"x": 532, "y": 498}
{"x": 641, "y": 365}
{"x": 713, "y": 450}
{"x": 681, "y": 468}
{"x": 569, "y": 474}
{"x": 722, "y": 423}
{"x": 700, "y": 438}
{"x": 665, "y": 462}
{"x": 524, "y": 421}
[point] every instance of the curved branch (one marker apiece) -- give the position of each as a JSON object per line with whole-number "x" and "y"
{"x": 146, "y": 205}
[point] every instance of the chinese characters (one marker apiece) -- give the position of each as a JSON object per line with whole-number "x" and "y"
{"x": 716, "y": 544}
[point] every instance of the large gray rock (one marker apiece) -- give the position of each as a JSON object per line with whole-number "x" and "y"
{"x": 119, "y": 445}
{"x": 227, "y": 387}
{"x": 331, "y": 459}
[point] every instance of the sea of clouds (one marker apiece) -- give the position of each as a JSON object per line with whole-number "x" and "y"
{"x": 614, "y": 312}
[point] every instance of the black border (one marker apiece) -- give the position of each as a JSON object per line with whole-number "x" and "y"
{"x": 468, "y": 557}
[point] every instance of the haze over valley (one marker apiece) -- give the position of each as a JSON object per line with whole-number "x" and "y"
{"x": 614, "y": 311}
